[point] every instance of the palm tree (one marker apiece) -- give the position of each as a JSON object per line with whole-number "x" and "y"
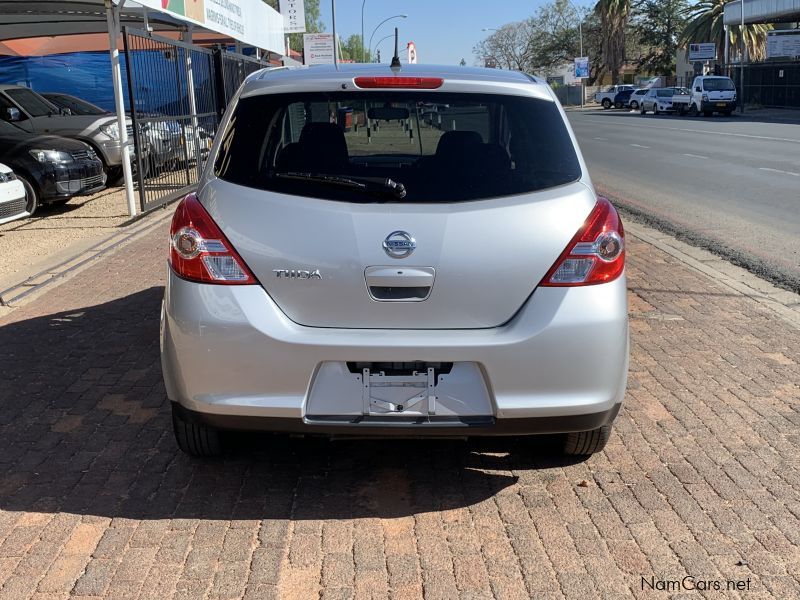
{"x": 704, "y": 24}
{"x": 613, "y": 22}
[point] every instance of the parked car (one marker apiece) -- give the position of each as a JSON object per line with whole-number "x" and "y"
{"x": 635, "y": 99}
{"x": 35, "y": 114}
{"x": 158, "y": 134}
{"x": 606, "y": 97}
{"x": 469, "y": 282}
{"x": 622, "y": 98}
{"x": 658, "y": 100}
{"x": 709, "y": 94}
{"x": 12, "y": 196}
{"x": 52, "y": 169}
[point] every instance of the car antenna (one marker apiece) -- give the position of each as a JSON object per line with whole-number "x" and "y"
{"x": 395, "y": 66}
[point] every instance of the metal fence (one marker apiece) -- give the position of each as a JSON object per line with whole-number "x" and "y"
{"x": 770, "y": 84}
{"x": 177, "y": 93}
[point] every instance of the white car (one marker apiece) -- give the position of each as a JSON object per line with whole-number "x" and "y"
{"x": 658, "y": 100}
{"x": 12, "y": 196}
{"x": 409, "y": 279}
{"x": 636, "y": 98}
{"x": 606, "y": 97}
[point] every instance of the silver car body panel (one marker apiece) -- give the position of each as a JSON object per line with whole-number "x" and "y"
{"x": 231, "y": 350}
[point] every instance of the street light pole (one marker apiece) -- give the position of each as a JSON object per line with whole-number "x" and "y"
{"x": 741, "y": 59}
{"x": 374, "y": 52}
{"x": 335, "y": 44}
{"x": 363, "y": 58}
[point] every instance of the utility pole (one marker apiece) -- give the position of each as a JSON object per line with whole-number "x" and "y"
{"x": 335, "y": 40}
{"x": 741, "y": 59}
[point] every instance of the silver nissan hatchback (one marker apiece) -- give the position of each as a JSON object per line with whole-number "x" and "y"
{"x": 414, "y": 252}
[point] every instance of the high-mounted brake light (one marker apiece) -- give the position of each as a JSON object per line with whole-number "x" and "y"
{"x": 596, "y": 254}
{"x": 200, "y": 252}
{"x": 415, "y": 83}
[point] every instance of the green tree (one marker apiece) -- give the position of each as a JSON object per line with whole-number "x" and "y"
{"x": 614, "y": 15}
{"x": 351, "y": 49}
{"x": 704, "y": 24}
{"x": 657, "y": 27}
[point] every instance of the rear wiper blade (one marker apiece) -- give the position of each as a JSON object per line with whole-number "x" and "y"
{"x": 379, "y": 185}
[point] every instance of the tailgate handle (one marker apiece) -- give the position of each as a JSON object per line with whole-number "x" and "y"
{"x": 399, "y": 284}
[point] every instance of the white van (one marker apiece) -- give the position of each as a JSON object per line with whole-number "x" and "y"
{"x": 710, "y": 94}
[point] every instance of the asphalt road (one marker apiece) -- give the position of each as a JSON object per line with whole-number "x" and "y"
{"x": 731, "y": 185}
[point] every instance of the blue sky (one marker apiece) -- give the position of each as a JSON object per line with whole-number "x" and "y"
{"x": 443, "y": 31}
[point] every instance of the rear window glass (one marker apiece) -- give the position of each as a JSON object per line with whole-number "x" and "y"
{"x": 437, "y": 147}
{"x": 665, "y": 93}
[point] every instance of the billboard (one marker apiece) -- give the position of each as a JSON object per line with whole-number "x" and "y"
{"x": 412, "y": 53}
{"x": 252, "y": 22}
{"x": 294, "y": 16}
{"x": 318, "y": 48}
{"x": 783, "y": 43}
{"x": 581, "y": 67}
{"x": 704, "y": 51}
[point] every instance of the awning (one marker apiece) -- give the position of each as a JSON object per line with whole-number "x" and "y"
{"x": 251, "y": 22}
{"x": 762, "y": 11}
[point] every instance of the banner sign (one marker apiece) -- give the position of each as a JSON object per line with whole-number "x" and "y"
{"x": 783, "y": 43}
{"x": 412, "y": 53}
{"x": 704, "y": 51}
{"x": 251, "y": 22}
{"x": 318, "y": 48}
{"x": 294, "y": 16}
{"x": 581, "y": 67}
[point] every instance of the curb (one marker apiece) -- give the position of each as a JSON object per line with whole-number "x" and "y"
{"x": 782, "y": 303}
{"x": 19, "y": 293}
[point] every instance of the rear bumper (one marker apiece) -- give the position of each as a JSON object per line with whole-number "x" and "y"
{"x": 232, "y": 357}
{"x": 404, "y": 427}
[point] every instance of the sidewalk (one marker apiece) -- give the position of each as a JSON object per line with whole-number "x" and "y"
{"x": 701, "y": 477}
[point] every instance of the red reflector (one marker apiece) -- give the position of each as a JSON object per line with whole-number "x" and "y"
{"x": 416, "y": 83}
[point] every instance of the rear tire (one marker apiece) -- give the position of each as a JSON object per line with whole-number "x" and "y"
{"x": 655, "y": 109}
{"x": 586, "y": 443}
{"x": 693, "y": 112}
{"x": 31, "y": 197}
{"x": 606, "y": 103}
{"x": 642, "y": 111}
{"x": 617, "y": 104}
{"x": 195, "y": 439}
{"x": 634, "y": 105}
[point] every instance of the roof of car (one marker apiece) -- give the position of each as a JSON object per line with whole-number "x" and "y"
{"x": 347, "y": 70}
{"x": 456, "y": 78}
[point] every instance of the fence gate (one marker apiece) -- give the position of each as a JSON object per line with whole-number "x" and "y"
{"x": 175, "y": 110}
{"x": 231, "y": 71}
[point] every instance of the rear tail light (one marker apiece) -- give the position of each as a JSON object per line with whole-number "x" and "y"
{"x": 596, "y": 254}
{"x": 200, "y": 252}
{"x": 416, "y": 83}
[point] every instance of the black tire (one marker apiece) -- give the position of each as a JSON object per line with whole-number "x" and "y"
{"x": 642, "y": 111}
{"x": 617, "y": 104}
{"x": 655, "y": 108}
{"x": 31, "y": 197}
{"x": 634, "y": 105}
{"x": 585, "y": 443}
{"x": 114, "y": 176}
{"x": 707, "y": 113}
{"x": 606, "y": 103}
{"x": 727, "y": 113}
{"x": 693, "y": 112}
{"x": 195, "y": 439}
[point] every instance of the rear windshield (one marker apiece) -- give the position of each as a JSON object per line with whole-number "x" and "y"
{"x": 665, "y": 93}
{"x": 438, "y": 147}
{"x": 718, "y": 85}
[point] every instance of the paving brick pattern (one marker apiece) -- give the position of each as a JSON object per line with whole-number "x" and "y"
{"x": 700, "y": 478}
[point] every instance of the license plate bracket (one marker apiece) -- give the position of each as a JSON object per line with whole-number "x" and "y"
{"x": 409, "y": 394}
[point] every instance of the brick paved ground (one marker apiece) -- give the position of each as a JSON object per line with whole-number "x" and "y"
{"x": 700, "y": 478}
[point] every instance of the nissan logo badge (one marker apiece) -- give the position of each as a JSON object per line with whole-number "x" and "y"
{"x": 399, "y": 244}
